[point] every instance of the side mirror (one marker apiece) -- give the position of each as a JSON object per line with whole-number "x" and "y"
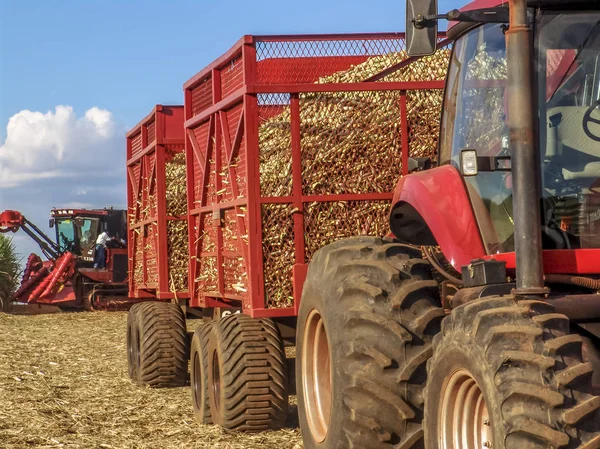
{"x": 51, "y": 223}
{"x": 421, "y": 34}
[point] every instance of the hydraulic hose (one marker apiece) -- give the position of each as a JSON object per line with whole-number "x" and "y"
{"x": 579, "y": 281}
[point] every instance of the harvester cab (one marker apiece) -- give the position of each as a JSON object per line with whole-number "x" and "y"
{"x": 78, "y": 229}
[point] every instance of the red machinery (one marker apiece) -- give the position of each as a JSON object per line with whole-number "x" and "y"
{"x": 67, "y": 278}
{"x": 478, "y": 325}
{"x": 248, "y": 242}
{"x": 475, "y": 322}
{"x": 152, "y": 146}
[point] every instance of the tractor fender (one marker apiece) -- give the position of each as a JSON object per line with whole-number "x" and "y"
{"x": 433, "y": 208}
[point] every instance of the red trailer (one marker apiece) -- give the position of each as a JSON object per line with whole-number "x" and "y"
{"x": 291, "y": 143}
{"x": 151, "y": 146}
{"x": 236, "y": 215}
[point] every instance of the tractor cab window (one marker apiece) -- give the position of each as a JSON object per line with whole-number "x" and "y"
{"x": 475, "y": 118}
{"x": 567, "y": 64}
{"x": 65, "y": 233}
{"x": 568, "y": 67}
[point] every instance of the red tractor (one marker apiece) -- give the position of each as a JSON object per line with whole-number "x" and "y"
{"x": 478, "y": 324}
{"x": 474, "y": 324}
{"x": 68, "y": 278}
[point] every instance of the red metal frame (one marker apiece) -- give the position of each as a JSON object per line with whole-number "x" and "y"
{"x": 149, "y": 144}
{"x": 563, "y": 261}
{"x": 222, "y": 117}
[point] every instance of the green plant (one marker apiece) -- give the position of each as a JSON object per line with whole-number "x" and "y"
{"x": 10, "y": 269}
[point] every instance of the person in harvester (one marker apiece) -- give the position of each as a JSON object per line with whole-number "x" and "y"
{"x": 100, "y": 254}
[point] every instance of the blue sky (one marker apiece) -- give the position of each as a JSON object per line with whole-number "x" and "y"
{"x": 109, "y": 62}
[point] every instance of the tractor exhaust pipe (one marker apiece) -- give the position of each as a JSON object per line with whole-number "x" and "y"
{"x": 525, "y": 159}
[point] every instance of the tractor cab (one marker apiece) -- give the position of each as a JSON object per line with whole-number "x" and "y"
{"x": 78, "y": 229}
{"x": 517, "y": 149}
{"x": 566, "y": 70}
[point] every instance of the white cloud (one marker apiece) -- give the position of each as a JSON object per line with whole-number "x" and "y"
{"x": 55, "y": 144}
{"x": 57, "y": 159}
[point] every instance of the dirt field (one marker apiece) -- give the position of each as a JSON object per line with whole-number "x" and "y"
{"x": 64, "y": 384}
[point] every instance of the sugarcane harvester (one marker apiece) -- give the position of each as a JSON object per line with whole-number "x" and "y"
{"x": 67, "y": 278}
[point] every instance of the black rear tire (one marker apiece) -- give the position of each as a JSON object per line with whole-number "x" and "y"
{"x": 529, "y": 370}
{"x": 199, "y": 373}
{"x": 380, "y": 310}
{"x": 164, "y": 348}
{"x": 247, "y": 374}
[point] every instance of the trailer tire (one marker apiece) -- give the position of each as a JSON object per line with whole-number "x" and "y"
{"x": 199, "y": 373}
{"x": 517, "y": 374}
{"x": 376, "y": 306}
{"x": 164, "y": 347}
{"x": 133, "y": 343}
{"x": 247, "y": 374}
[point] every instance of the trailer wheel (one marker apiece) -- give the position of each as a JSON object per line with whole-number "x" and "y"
{"x": 247, "y": 374}
{"x": 367, "y": 318}
{"x": 199, "y": 373}
{"x": 508, "y": 374}
{"x": 163, "y": 350}
{"x": 133, "y": 342}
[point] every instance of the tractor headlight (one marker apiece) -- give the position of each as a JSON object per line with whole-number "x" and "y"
{"x": 468, "y": 162}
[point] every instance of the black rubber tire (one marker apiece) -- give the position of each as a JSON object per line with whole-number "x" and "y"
{"x": 164, "y": 347}
{"x": 530, "y": 369}
{"x": 133, "y": 343}
{"x": 199, "y": 373}
{"x": 381, "y": 310}
{"x": 248, "y": 357}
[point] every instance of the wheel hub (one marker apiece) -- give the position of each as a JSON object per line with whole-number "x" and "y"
{"x": 316, "y": 376}
{"x": 464, "y": 421}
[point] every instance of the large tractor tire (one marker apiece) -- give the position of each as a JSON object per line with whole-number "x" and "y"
{"x": 507, "y": 374}
{"x": 163, "y": 345}
{"x": 368, "y": 315}
{"x": 247, "y": 374}
{"x": 199, "y": 373}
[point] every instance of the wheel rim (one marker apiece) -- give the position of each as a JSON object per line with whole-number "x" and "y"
{"x": 197, "y": 382}
{"x": 316, "y": 376}
{"x": 464, "y": 421}
{"x": 216, "y": 381}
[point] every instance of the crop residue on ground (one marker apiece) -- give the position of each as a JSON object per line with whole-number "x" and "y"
{"x": 64, "y": 384}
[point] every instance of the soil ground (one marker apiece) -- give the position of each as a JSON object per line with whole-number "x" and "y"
{"x": 64, "y": 384}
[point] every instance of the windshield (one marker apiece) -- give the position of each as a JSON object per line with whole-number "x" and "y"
{"x": 87, "y": 233}
{"x": 65, "y": 232}
{"x": 475, "y": 117}
{"x": 78, "y": 235}
{"x": 568, "y": 48}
